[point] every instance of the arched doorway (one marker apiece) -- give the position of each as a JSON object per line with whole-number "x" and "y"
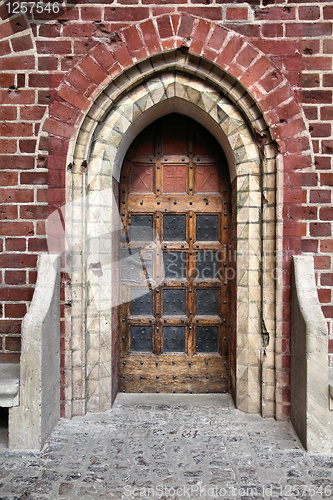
{"x": 175, "y": 207}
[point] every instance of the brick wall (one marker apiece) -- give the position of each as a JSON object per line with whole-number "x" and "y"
{"x": 39, "y": 51}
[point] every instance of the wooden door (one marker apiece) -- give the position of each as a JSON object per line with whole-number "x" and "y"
{"x": 175, "y": 190}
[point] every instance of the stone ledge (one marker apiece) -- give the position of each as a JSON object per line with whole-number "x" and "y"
{"x": 9, "y": 384}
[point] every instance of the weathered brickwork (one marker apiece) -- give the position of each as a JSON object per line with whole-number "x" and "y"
{"x": 53, "y": 67}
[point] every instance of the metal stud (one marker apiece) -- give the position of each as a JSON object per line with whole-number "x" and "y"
{"x": 157, "y": 376}
{"x": 156, "y": 363}
{"x": 124, "y": 363}
{"x": 175, "y": 376}
{"x": 174, "y": 362}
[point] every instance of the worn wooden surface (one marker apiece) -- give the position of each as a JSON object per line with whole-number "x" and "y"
{"x": 175, "y": 168}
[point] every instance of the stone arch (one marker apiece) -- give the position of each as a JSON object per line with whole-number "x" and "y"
{"x": 223, "y": 59}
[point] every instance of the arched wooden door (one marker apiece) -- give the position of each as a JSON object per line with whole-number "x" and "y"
{"x": 175, "y": 189}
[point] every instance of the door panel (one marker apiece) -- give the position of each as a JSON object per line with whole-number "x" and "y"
{"x": 174, "y": 189}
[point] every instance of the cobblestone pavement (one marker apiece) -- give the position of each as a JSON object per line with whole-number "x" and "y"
{"x": 168, "y": 447}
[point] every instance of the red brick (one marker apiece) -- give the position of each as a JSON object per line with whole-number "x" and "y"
{"x": 327, "y": 147}
{"x": 326, "y": 246}
{"x": 310, "y": 47}
{"x": 10, "y": 228}
{"x": 42, "y": 80}
{"x": 150, "y": 37}
{"x": 237, "y": 13}
{"x": 303, "y": 213}
{"x": 309, "y": 179}
{"x": 75, "y": 98}
{"x": 103, "y": 56}
{"x": 37, "y": 245}
{"x": 91, "y": 13}
{"x": 254, "y": 73}
{"x": 33, "y": 212}
{"x": 32, "y": 112}
{"x": 22, "y": 43}
{"x": 59, "y": 128}
{"x": 16, "y": 195}
{"x": 16, "y": 162}
{"x": 7, "y": 80}
{"x": 231, "y": 50}
{"x": 328, "y": 80}
{"x": 16, "y": 245}
{"x": 13, "y": 343}
{"x": 93, "y": 70}
{"x": 326, "y": 213}
{"x": 78, "y": 30}
{"x": 42, "y": 196}
{"x": 309, "y": 245}
{"x": 317, "y": 96}
{"x": 316, "y": 63}
{"x": 310, "y": 80}
{"x": 132, "y": 39}
{"x": 246, "y": 56}
{"x": 320, "y": 229}
{"x": 15, "y": 277}
{"x": 328, "y": 46}
{"x": 276, "y": 13}
{"x": 48, "y": 30}
{"x": 118, "y": 14}
{"x": 328, "y": 12}
{"x": 27, "y": 145}
{"x": 320, "y": 129}
{"x": 47, "y": 63}
{"x": 326, "y": 179}
{"x": 272, "y": 30}
{"x": 217, "y": 38}
{"x": 288, "y": 129}
{"x": 8, "y": 212}
{"x": 330, "y": 346}
{"x": 322, "y": 163}
{"x": 287, "y": 112}
{"x": 213, "y": 13}
{"x": 54, "y": 47}
{"x": 320, "y": 196}
{"x": 33, "y": 178}
{"x": 292, "y": 228}
{"x": 246, "y": 29}
{"x": 326, "y": 113}
{"x": 123, "y": 56}
{"x": 9, "y": 28}
{"x": 275, "y": 98}
{"x": 8, "y": 146}
{"x": 15, "y": 310}
{"x": 5, "y": 48}
{"x": 311, "y": 112}
{"x": 326, "y": 279}
{"x": 17, "y": 97}
{"x": 308, "y": 13}
{"x": 8, "y": 178}
{"x": 327, "y": 311}
{"x": 308, "y": 30}
{"x": 322, "y": 262}
{"x": 8, "y": 113}
{"x": 15, "y": 129}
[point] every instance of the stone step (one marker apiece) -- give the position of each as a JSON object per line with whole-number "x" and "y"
{"x": 9, "y": 384}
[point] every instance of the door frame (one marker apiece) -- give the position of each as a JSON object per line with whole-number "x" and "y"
{"x": 253, "y": 182}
